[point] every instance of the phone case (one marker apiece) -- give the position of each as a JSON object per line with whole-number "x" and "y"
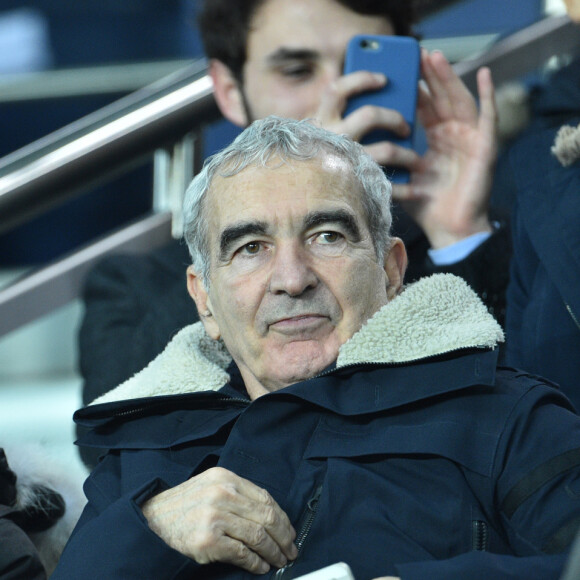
{"x": 397, "y": 57}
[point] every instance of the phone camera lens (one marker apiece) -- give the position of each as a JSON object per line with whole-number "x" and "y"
{"x": 368, "y": 44}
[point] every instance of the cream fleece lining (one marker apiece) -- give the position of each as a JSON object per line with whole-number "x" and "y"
{"x": 434, "y": 315}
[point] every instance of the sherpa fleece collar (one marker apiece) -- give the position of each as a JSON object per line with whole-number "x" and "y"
{"x": 435, "y": 315}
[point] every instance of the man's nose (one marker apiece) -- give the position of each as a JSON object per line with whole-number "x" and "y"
{"x": 292, "y": 272}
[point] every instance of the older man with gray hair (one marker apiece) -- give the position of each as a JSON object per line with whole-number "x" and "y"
{"x": 319, "y": 412}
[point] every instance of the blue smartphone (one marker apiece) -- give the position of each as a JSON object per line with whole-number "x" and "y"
{"x": 398, "y": 58}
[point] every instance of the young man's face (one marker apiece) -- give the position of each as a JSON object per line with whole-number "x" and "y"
{"x": 573, "y": 8}
{"x": 293, "y": 270}
{"x": 295, "y": 51}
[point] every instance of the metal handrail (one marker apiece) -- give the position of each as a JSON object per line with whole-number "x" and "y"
{"x": 27, "y": 298}
{"x": 110, "y": 79}
{"x": 52, "y": 169}
{"x": 524, "y": 51}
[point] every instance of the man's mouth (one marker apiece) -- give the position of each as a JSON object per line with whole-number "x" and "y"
{"x": 298, "y": 324}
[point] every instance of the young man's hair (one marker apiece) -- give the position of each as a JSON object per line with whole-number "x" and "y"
{"x": 224, "y": 25}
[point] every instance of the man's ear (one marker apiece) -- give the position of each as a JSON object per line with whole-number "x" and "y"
{"x": 198, "y": 292}
{"x": 227, "y": 93}
{"x": 395, "y": 266}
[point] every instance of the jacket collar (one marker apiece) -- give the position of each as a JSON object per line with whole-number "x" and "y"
{"x": 434, "y": 316}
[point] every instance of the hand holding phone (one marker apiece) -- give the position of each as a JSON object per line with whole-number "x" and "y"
{"x": 398, "y": 58}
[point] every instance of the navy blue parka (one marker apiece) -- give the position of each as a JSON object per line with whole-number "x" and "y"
{"x": 413, "y": 456}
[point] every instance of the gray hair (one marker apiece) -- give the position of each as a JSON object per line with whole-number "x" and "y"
{"x": 286, "y": 139}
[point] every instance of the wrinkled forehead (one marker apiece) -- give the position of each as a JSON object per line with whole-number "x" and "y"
{"x": 266, "y": 184}
{"x": 318, "y": 156}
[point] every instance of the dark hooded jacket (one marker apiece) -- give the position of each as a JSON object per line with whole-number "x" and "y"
{"x": 543, "y": 316}
{"x": 412, "y": 456}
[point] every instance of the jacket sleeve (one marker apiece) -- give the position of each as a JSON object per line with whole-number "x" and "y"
{"x": 535, "y": 494}
{"x": 19, "y": 558}
{"x": 132, "y": 308}
{"x": 128, "y": 320}
{"x": 486, "y": 270}
{"x": 522, "y": 271}
{"x": 112, "y": 538}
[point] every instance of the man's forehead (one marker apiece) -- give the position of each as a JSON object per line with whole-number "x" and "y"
{"x": 281, "y": 187}
{"x": 325, "y": 166}
{"x": 322, "y": 161}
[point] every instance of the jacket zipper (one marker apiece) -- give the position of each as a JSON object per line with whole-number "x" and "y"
{"x": 146, "y": 406}
{"x": 428, "y": 358}
{"x": 572, "y": 315}
{"x": 307, "y": 521}
{"x": 480, "y": 536}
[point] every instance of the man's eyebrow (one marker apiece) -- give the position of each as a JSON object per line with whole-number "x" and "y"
{"x": 235, "y": 232}
{"x": 283, "y": 54}
{"x": 342, "y": 217}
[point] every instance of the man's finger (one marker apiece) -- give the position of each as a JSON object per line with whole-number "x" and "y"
{"x": 267, "y": 515}
{"x": 335, "y": 96}
{"x": 488, "y": 117}
{"x": 426, "y": 112}
{"x": 258, "y": 540}
{"x": 452, "y": 98}
{"x": 439, "y": 96}
{"x": 407, "y": 192}
{"x": 369, "y": 117}
{"x": 232, "y": 551}
{"x": 254, "y": 504}
{"x": 391, "y": 155}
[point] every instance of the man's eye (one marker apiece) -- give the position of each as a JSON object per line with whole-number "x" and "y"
{"x": 329, "y": 237}
{"x": 297, "y": 71}
{"x": 251, "y": 248}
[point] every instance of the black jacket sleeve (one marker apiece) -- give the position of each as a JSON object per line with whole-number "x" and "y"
{"x": 486, "y": 269}
{"x": 134, "y": 304}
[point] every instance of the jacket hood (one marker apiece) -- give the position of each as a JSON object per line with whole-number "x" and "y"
{"x": 433, "y": 316}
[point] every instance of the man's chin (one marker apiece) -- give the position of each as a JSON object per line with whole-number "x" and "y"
{"x": 301, "y": 361}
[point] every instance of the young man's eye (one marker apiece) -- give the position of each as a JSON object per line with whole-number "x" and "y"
{"x": 297, "y": 71}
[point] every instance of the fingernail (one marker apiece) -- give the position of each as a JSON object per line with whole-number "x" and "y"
{"x": 264, "y": 567}
{"x": 380, "y": 77}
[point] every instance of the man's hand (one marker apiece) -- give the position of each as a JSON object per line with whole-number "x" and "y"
{"x": 448, "y": 194}
{"x": 365, "y": 119}
{"x": 219, "y": 517}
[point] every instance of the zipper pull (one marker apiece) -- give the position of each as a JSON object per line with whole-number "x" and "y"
{"x": 305, "y": 527}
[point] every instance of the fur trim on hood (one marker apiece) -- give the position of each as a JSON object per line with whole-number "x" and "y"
{"x": 433, "y": 316}
{"x": 39, "y": 468}
{"x": 567, "y": 145}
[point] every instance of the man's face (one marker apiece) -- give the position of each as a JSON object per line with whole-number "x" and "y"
{"x": 293, "y": 270}
{"x": 295, "y": 50}
{"x": 573, "y": 8}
